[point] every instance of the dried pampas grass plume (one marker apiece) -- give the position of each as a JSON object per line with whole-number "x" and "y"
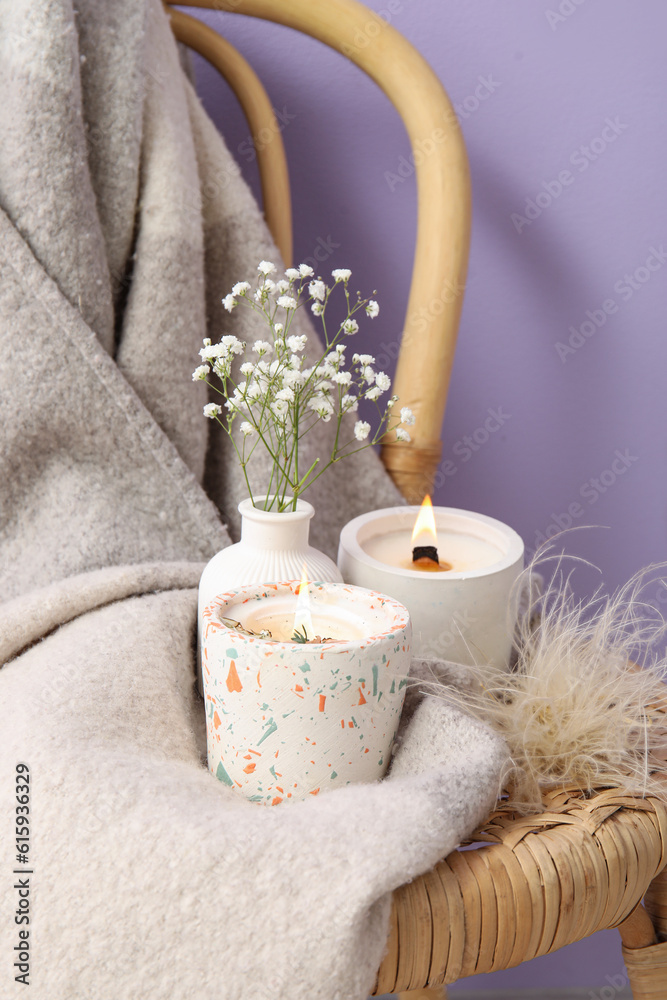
{"x": 585, "y": 703}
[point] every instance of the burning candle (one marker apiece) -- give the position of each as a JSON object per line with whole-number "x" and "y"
{"x": 290, "y": 711}
{"x": 425, "y": 549}
{"x": 453, "y": 569}
{"x": 294, "y": 617}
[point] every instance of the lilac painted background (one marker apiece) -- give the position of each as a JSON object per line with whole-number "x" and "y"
{"x": 567, "y": 85}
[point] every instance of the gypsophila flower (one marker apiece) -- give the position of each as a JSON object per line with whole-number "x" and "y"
{"x": 322, "y": 407}
{"x": 235, "y": 345}
{"x": 297, "y": 344}
{"x": 293, "y": 379}
{"x": 278, "y": 397}
{"x": 211, "y": 352}
{"x": 287, "y": 302}
{"x": 207, "y": 341}
{"x": 280, "y": 408}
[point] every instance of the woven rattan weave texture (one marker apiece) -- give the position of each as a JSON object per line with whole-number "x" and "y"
{"x": 529, "y": 885}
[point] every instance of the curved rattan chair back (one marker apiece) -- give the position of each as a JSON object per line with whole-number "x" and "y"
{"x": 428, "y": 338}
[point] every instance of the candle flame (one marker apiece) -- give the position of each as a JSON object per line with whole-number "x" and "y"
{"x": 302, "y": 617}
{"x": 424, "y": 532}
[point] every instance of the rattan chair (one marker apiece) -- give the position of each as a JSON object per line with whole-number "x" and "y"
{"x": 439, "y": 270}
{"x": 537, "y": 884}
{"x": 584, "y": 864}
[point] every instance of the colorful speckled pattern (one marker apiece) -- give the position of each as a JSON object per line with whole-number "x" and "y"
{"x": 286, "y": 720}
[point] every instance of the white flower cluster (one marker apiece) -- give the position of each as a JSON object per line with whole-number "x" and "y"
{"x": 278, "y": 394}
{"x": 219, "y": 357}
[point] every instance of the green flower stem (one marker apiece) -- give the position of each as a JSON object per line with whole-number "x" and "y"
{"x": 243, "y": 464}
{"x": 300, "y": 485}
{"x": 295, "y": 451}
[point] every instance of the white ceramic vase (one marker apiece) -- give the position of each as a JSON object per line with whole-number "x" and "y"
{"x": 274, "y": 547}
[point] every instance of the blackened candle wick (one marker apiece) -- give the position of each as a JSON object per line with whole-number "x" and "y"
{"x": 425, "y": 552}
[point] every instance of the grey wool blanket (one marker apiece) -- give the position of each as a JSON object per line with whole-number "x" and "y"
{"x": 123, "y": 221}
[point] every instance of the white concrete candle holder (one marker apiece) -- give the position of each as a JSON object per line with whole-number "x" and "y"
{"x": 286, "y": 719}
{"x": 464, "y": 614}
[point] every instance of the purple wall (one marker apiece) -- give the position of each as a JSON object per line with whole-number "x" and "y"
{"x": 575, "y": 86}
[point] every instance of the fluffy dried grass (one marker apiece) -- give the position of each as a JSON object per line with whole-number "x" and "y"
{"x": 585, "y": 704}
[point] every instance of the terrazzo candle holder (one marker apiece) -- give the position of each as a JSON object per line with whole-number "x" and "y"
{"x": 286, "y": 719}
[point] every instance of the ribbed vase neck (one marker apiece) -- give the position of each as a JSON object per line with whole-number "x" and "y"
{"x": 272, "y": 530}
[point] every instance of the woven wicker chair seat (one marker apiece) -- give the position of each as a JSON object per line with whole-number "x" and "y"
{"x": 529, "y": 885}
